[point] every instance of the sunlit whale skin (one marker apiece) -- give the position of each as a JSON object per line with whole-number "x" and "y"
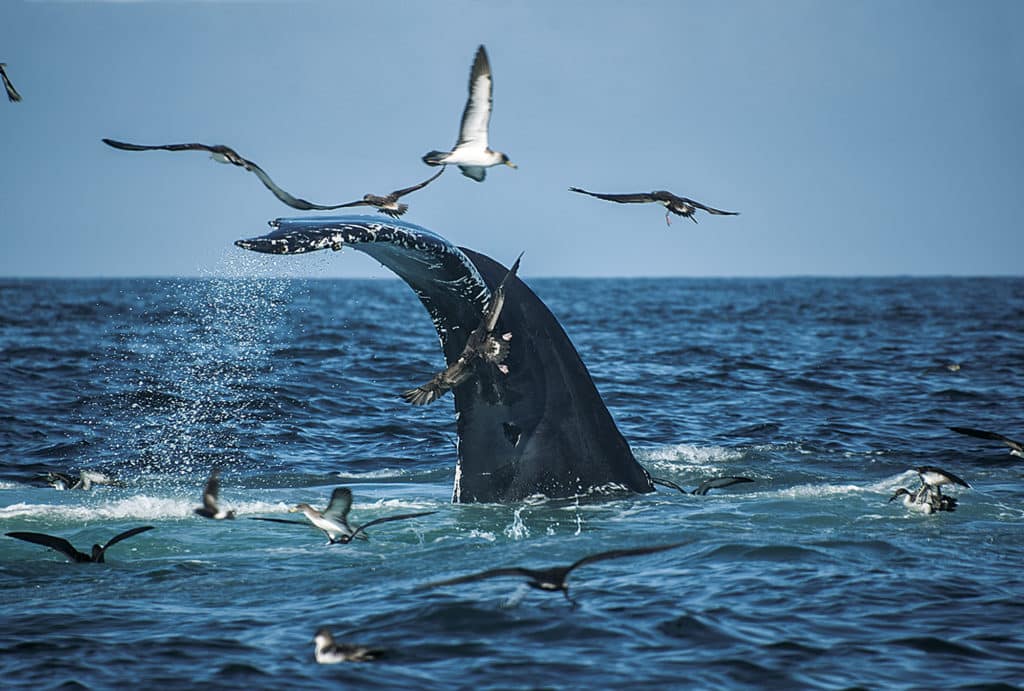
{"x": 542, "y": 428}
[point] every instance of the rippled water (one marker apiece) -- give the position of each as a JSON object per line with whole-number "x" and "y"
{"x": 825, "y": 392}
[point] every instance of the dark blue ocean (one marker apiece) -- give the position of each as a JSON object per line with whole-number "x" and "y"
{"x": 826, "y": 392}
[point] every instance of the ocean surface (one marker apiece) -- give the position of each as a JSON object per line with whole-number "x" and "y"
{"x": 825, "y": 392}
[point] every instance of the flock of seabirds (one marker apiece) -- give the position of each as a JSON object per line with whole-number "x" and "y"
{"x": 473, "y": 155}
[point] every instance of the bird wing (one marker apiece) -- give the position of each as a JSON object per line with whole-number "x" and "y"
{"x": 477, "y": 115}
{"x": 166, "y": 147}
{"x": 278, "y": 520}
{"x": 492, "y": 573}
{"x": 615, "y": 554}
{"x": 388, "y": 519}
{"x": 56, "y": 543}
{"x": 451, "y": 376}
{"x": 294, "y": 202}
{"x": 709, "y": 209}
{"x": 668, "y": 483}
{"x": 339, "y": 506}
{"x": 12, "y": 94}
{"x": 490, "y": 319}
{"x": 212, "y": 491}
{"x": 934, "y": 469}
{"x": 125, "y": 535}
{"x": 402, "y": 192}
{"x": 636, "y": 198}
{"x": 994, "y": 436}
{"x": 718, "y": 483}
{"x": 477, "y": 173}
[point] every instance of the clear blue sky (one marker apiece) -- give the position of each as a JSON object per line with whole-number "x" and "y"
{"x": 856, "y": 138}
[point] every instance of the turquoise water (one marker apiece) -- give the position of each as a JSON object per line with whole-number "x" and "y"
{"x": 826, "y": 392}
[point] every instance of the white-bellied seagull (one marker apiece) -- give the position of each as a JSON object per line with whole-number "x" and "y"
{"x": 483, "y": 343}
{"x": 472, "y": 154}
{"x": 333, "y": 520}
{"x": 924, "y": 500}
{"x": 681, "y": 206}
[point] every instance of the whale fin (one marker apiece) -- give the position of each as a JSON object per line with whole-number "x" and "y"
{"x": 567, "y": 442}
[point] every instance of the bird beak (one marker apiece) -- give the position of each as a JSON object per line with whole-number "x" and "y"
{"x": 510, "y": 164}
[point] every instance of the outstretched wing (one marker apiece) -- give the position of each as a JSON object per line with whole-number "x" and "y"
{"x": 279, "y": 520}
{"x": 490, "y": 319}
{"x": 294, "y": 202}
{"x": 56, "y": 543}
{"x": 125, "y": 535}
{"x": 615, "y": 554}
{"x": 339, "y": 506}
{"x": 637, "y": 198}
{"x": 994, "y": 436}
{"x": 492, "y": 573}
{"x": 164, "y": 147}
{"x": 477, "y": 115}
{"x": 448, "y": 378}
{"x": 668, "y": 483}
{"x": 718, "y": 483}
{"x": 709, "y": 209}
{"x": 386, "y": 519}
{"x": 12, "y": 94}
{"x": 402, "y": 192}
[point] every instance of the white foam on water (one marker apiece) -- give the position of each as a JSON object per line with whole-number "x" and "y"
{"x": 138, "y": 507}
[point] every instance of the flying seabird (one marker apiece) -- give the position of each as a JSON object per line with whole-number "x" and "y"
{"x": 933, "y": 478}
{"x": 471, "y": 153}
{"x": 333, "y": 520}
{"x": 85, "y": 480}
{"x": 553, "y": 579}
{"x": 483, "y": 343}
{"x": 225, "y": 154}
{"x": 329, "y": 652}
{"x": 389, "y": 204}
{"x": 209, "y": 509}
{"x": 702, "y": 489}
{"x": 1016, "y": 447}
{"x": 924, "y": 500}
{"x": 65, "y": 547}
{"x": 681, "y": 206}
{"x": 12, "y": 94}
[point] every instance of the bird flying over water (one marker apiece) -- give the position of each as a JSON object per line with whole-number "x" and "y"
{"x": 225, "y": 154}
{"x": 1016, "y": 447}
{"x": 64, "y": 547}
{"x": 483, "y": 343}
{"x": 209, "y": 509}
{"x": 555, "y": 578}
{"x": 704, "y": 487}
{"x": 681, "y": 206}
{"x": 472, "y": 154}
{"x": 12, "y": 94}
{"x": 389, "y": 204}
{"x": 333, "y": 520}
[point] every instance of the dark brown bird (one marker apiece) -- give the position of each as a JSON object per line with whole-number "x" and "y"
{"x": 225, "y": 154}
{"x": 483, "y": 344}
{"x": 389, "y": 204}
{"x": 553, "y": 579}
{"x": 66, "y": 548}
{"x": 12, "y": 94}
{"x": 680, "y": 206}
